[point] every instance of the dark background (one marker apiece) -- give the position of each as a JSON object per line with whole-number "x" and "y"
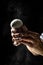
{"x": 6, "y": 47}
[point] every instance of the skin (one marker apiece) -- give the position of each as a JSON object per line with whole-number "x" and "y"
{"x": 30, "y": 39}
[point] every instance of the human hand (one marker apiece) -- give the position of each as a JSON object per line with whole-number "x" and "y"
{"x": 30, "y": 39}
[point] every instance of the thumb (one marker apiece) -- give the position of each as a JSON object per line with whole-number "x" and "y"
{"x": 25, "y": 29}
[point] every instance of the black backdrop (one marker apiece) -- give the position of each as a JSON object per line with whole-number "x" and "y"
{"x": 6, "y": 46}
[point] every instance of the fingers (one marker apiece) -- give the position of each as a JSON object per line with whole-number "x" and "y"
{"x": 25, "y": 37}
{"x": 13, "y": 30}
